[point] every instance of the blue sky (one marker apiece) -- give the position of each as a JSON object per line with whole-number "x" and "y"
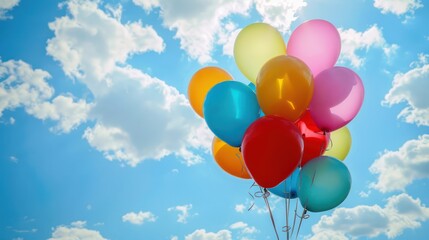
{"x": 98, "y": 141}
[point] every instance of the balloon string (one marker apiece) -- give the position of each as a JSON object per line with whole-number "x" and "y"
{"x": 302, "y": 217}
{"x": 294, "y": 218}
{"x": 251, "y": 195}
{"x": 304, "y": 211}
{"x": 241, "y": 161}
{"x": 287, "y": 227}
{"x": 265, "y": 196}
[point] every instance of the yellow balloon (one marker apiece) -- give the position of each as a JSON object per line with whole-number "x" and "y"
{"x": 229, "y": 159}
{"x": 341, "y": 141}
{"x": 254, "y": 46}
{"x": 201, "y": 83}
{"x": 284, "y": 87}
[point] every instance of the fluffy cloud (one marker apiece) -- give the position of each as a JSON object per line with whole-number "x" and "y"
{"x": 398, "y": 169}
{"x": 137, "y": 116}
{"x": 183, "y": 215}
{"x": 279, "y": 13}
{"x": 410, "y": 87}
{"x": 197, "y": 23}
{"x": 353, "y": 41}
{"x": 89, "y": 42}
{"x": 398, "y": 7}
{"x": 201, "y": 234}
{"x": 401, "y": 212}
{"x": 5, "y": 6}
{"x": 25, "y": 87}
{"x": 147, "y": 5}
{"x": 244, "y": 228}
{"x": 226, "y": 38}
{"x": 240, "y": 208}
{"x": 139, "y": 218}
{"x": 22, "y": 86}
{"x": 76, "y": 230}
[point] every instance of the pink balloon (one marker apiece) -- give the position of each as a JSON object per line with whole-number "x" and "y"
{"x": 337, "y": 98}
{"x": 317, "y": 43}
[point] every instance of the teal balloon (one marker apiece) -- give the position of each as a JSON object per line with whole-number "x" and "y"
{"x": 324, "y": 183}
{"x": 229, "y": 109}
{"x": 289, "y": 187}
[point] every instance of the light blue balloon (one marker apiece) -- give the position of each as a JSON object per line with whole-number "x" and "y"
{"x": 323, "y": 184}
{"x": 288, "y": 188}
{"x": 229, "y": 109}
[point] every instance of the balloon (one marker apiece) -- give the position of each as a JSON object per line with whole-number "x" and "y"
{"x": 315, "y": 140}
{"x": 284, "y": 87}
{"x": 256, "y": 44}
{"x": 272, "y": 148}
{"x": 317, "y": 43}
{"x": 337, "y": 98}
{"x": 230, "y": 107}
{"x": 341, "y": 140}
{"x": 324, "y": 183}
{"x": 287, "y": 188}
{"x": 201, "y": 82}
{"x": 229, "y": 159}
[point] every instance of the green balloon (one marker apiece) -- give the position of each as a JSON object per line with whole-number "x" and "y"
{"x": 323, "y": 184}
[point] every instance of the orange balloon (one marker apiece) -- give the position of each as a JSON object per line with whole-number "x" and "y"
{"x": 284, "y": 87}
{"x": 201, "y": 83}
{"x": 229, "y": 159}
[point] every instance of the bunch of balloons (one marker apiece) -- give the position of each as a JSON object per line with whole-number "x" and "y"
{"x": 286, "y": 129}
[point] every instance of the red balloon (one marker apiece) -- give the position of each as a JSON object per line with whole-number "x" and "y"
{"x": 272, "y": 148}
{"x": 315, "y": 140}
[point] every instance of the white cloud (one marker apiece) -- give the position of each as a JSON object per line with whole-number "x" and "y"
{"x": 139, "y": 218}
{"x": 89, "y": 42}
{"x": 398, "y": 169}
{"x": 363, "y": 194}
{"x": 353, "y": 41}
{"x": 78, "y": 224}
{"x": 240, "y": 208}
{"x": 25, "y": 87}
{"x": 147, "y": 5}
{"x": 174, "y": 238}
{"x": 22, "y": 86}
{"x": 398, "y": 7}
{"x": 197, "y": 23}
{"x": 401, "y": 212}
{"x": 244, "y": 229}
{"x": 5, "y": 6}
{"x": 279, "y": 13}
{"x": 137, "y": 116}
{"x": 12, "y": 120}
{"x": 410, "y": 87}
{"x": 226, "y": 38}
{"x": 201, "y": 234}
{"x": 77, "y": 230}
{"x": 65, "y": 110}
{"x": 238, "y": 225}
{"x": 183, "y": 215}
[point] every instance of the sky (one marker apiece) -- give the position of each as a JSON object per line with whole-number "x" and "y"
{"x": 98, "y": 140}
